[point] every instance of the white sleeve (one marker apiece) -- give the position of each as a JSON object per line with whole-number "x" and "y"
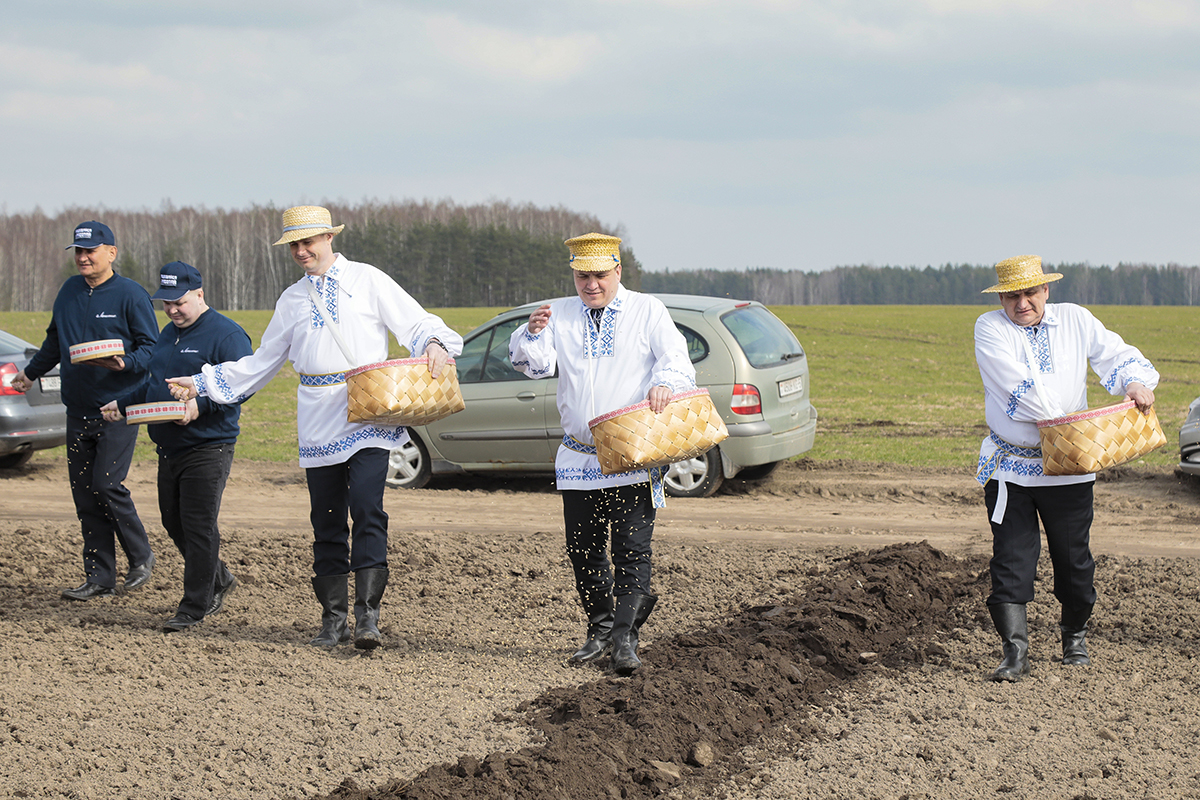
{"x": 672, "y": 366}
{"x": 534, "y": 354}
{"x": 234, "y": 381}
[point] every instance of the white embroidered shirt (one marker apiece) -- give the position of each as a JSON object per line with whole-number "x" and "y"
{"x": 365, "y": 304}
{"x": 1067, "y": 340}
{"x": 636, "y": 348}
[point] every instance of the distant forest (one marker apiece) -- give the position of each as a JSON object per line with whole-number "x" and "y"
{"x": 1125, "y": 284}
{"x": 494, "y": 254}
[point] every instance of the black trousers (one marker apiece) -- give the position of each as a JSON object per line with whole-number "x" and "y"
{"x": 628, "y": 513}
{"x": 98, "y": 458}
{"x": 356, "y": 487}
{"x": 1066, "y": 515}
{"x": 189, "y": 498}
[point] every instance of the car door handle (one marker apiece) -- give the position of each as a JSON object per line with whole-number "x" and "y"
{"x": 527, "y": 396}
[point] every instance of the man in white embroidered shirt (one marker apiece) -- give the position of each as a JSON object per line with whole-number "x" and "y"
{"x": 612, "y": 348}
{"x": 1059, "y": 341}
{"x": 345, "y": 462}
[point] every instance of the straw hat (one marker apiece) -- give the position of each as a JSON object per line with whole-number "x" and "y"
{"x": 302, "y": 222}
{"x": 1019, "y": 273}
{"x": 594, "y": 252}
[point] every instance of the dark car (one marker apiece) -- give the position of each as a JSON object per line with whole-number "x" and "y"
{"x": 1189, "y": 441}
{"x": 748, "y": 359}
{"x": 29, "y": 421}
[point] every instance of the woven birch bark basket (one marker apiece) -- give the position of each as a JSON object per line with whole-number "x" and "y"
{"x": 1089, "y": 441}
{"x": 635, "y": 437}
{"x": 402, "y": 392}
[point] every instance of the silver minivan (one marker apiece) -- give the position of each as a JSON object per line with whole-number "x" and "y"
{"x": 752, "y": 365}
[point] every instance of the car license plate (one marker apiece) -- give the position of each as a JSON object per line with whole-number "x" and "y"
{"x": 791, "y": 386}
{"x": 51, "y": 384}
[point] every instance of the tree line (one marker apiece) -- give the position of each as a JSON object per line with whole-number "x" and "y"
{"x": 444, "y": 254}
{"x": 492, "y": 254}
{"x": 1125, "y": 284}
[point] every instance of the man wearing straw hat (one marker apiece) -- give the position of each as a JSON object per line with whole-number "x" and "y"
{"x": 612, "y": 348}
{"x": 195, "y": 453}
{"x": 98, "y": 304}
{"x": 335, "y": 318}
{"x": 1033, "y": 357}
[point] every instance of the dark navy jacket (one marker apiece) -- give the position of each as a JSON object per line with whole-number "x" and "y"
{"x": 211, "y": 339}
{"x": 116, "y": 309}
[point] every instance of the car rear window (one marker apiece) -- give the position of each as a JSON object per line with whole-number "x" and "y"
{"x": 697, "y": 347}
{"x": 11, "y": 344}
{"x": 764, "y": 339}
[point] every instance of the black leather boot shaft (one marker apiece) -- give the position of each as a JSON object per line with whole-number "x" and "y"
{"x": 334, "y": 595}
{"x": 1074, "y": 635}
{"x": 1013, "y": 626}
{"x": 368, "y": 592}
{"x": 599, "y": 610}
{"x": 629, "y": 614}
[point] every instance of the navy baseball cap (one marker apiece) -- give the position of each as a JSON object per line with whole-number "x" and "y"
{"x": 175, "y": 280}
{"x": 90, "y": 235}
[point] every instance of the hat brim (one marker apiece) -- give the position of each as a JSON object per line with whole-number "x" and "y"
{"x": 306, "y": 233}
{"x": 170, "y": 296}
{"x": 1022, "y": 285}
{"x": 72, "y": 246}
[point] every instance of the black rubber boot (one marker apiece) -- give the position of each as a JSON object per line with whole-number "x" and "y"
{"x": 333, "y": 593}
{"x": 599, "y": 610}
{"x": 630, "y": 612}
{"x": 368, "y": 591}
{"x": 1074, "y": 636}
{"x": 1013, "y": 627}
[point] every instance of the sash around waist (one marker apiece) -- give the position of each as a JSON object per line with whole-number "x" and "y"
{"x": 329, "y": 379}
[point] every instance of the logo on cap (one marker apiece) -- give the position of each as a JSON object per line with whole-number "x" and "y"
{"x": 169, "y": 280}
{"x": 83, "y": 233}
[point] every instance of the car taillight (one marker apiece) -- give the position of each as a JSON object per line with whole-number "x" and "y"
{"x": 7, "y": 373}
{"x": 746, "y": 399}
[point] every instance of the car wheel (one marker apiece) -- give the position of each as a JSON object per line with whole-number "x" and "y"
{"x": 697, "y": 477}
{"x": 408, "y": 465}
{"x": 13, "y": 460}
{"x": 757, "y": 472}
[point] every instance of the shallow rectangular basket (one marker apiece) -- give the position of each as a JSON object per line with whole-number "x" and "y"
{"x": 635, "y": 437}
{"x": 1089, "y": 441}
{"x": 162, "y": 411}
{"x": 402, "y": 392}
{"x": 101, "y": 348}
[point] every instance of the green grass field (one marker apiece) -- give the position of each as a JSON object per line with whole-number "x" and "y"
{"x": 894, "y": 384}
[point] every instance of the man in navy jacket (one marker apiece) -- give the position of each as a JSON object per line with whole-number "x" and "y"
{"x": 93, "y": 305}
{"x": 195, "y": 454}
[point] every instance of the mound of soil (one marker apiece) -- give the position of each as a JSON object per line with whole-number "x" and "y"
{"x": 805, "y": 645}
{"x": 712, "y": 692}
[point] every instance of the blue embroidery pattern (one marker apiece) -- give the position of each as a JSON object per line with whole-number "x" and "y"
{"x": 223, "y": 387}
{"x": 602, "y": 344}
{"x": 571, "y": 443}
{"x": 579, "y": 474}
{"x": 519, "y": 366}
{"x": 327, "y": 290}
{"x": 1039, "y": 339}
{"x": 201, "y": 384}
{"x": 1110, "y": 382}
{"x": 1022, "y": 389}
{"x": 332, "y": 379}
{"x": 1008, "y": 457}
{"x": 341, "y": 445}
{"x": 685, "y": 382}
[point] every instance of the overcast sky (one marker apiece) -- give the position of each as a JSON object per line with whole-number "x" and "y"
{"x": 717, "y": 133}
